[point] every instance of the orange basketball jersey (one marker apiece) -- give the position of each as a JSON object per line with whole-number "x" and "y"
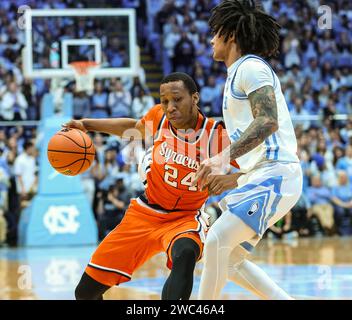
{"x": 170, "y": 164}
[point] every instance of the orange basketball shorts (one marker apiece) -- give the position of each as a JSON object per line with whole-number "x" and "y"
{"x": 142, "y": 233}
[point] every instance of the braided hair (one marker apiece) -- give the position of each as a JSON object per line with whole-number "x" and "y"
{"x": 254, "y": 31}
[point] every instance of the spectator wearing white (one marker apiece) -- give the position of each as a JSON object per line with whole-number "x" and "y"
{"x": 141, "y": 104}
{"x": 131, "y": 155}
{"x": 291, "y": 50}
{"x": 25, "y": 170}
{"x": 88, "y": 185}
{"x": 120, "y": 101}
{"x": 14, "y": 104}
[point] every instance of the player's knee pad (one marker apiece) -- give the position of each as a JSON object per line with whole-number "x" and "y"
{"x": 81, "y": 293}
{"x": 185, "y": 251}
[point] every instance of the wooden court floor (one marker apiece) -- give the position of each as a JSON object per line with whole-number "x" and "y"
{"x": 306, "y": 268}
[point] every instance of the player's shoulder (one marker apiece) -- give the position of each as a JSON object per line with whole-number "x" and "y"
{"x": 156, "y": 112}
{"x": 156, "y": 108}
{"x": 252, "y": 64}
{"x": 153, "y": 118}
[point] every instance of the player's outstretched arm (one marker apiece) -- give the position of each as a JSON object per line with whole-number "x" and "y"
{"x": 265, "y": 123}
{"x": 123, "y": 127}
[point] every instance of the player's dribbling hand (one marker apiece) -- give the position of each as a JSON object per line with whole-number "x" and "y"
{"x": 213, "y": 166}
{"x": 75, "y": 124}
{"x": 217, "y": 184}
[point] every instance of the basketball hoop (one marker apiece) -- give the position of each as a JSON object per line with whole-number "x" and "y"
{"x": 84, "y": 74}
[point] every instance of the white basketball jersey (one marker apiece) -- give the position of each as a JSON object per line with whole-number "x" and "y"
{"x": 246, "y": 75}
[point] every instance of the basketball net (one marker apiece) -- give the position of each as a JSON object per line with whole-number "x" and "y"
{"x": 84, "y": 74}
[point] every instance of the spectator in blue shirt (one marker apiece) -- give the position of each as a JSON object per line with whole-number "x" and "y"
{"x": 313, "y": 72}
{"x": 299, "y": 114}
{"x": 342, "y": 200}
{"x": 319, "y": 196}
{"x": 99, "y": 102}
{"x": 209, "y": 94}
{"x": 345, "y": 163}
{"x": 120, "y": 101}
{"x": 81, "y": 105}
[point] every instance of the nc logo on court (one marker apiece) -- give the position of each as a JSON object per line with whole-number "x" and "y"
{"x": 61, "y": 272}
{"x": 61, "y": 219}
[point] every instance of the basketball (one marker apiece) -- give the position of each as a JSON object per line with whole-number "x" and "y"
{"x": 71, "y": 152}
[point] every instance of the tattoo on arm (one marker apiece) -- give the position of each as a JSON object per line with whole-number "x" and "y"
{"x": 264, "y": 109}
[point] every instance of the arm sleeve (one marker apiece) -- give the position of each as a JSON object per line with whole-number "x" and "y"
{"x": 255, "y": 74}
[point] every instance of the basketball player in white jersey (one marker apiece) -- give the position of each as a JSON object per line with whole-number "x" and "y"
{"x": 263, "y": 143}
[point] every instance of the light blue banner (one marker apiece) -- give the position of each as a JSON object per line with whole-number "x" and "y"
{"x": 60, "y": 214}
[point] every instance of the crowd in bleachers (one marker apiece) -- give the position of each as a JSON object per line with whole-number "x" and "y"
{"x": 314, "y": 67}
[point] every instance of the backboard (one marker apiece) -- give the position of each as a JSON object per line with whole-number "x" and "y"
{"x": 57, "y": 37}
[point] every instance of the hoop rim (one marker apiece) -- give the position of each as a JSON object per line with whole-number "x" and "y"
{"x": 82, "y": 67}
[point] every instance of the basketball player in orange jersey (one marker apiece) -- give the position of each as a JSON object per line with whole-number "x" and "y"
{"x": 168, "y": 217}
